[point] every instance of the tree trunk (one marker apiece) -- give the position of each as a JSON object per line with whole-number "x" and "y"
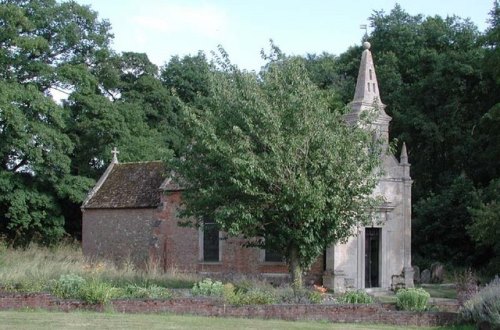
{"x": 295, "y": 269}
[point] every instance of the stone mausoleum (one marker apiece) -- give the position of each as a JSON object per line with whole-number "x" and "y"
{"x": 131, "y": 215}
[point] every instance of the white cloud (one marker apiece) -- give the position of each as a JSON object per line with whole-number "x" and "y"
{"x": 204, "y": 20}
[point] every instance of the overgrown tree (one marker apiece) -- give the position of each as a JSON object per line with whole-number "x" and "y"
{"x": 187, "y": 76}
{"x": 485, "y": 226}
{"x": 40, "y": 42}
{"x": 268, "y": 160}
{"x": 437, "y": 76}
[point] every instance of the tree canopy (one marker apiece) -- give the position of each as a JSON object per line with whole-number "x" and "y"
{"x": 439, "y": 77}
{"x": 40, "y": 41}
{"x": 270, "y": 161}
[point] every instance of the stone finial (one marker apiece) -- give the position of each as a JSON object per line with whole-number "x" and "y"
{"x": 115, "y": 152}
{"x": 404, "y": 155}
{"x": 366, "y": 45}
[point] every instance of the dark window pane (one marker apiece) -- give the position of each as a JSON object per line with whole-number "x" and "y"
{"x": 210, "y": 241}
{"x": 273, "y": 256}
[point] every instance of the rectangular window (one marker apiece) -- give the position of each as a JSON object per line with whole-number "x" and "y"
{"x": 210, "y": 241}
{"x": 273, "y": 256}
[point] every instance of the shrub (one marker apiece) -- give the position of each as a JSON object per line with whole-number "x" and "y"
{"x": 207, "y": 287}
{"x": 150, "y": 292}
{"x": 315, "y": 297}
{"x": 466, "y": 285}
{"x": 355, "y": 297}
{"x": 412, "y": 299}
{"x": 228, "y": 292}
{"x": 67, "y": 286}
{"x": 484, "y": 307}
{"x": 250, "y": 296}
{"x": 74, "y": 286}
{"x": 303, "y": 296}
{"x": 97, "y": 292}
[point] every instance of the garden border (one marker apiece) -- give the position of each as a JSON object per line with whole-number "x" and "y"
{"x": 338, "y": 313}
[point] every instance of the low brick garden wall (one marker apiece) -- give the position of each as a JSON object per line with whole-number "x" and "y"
{"x": 371, "y": 313}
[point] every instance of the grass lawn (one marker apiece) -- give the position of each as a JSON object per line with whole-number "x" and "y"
{"x": 435, "y": 290}
{"x": 441, "y": 291}
{"x": 91, "y": 320}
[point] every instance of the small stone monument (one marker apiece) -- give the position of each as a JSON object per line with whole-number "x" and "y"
{"x": 437, "y": 272}
{"x": 416, "y": 274}
{"x": 425, "y": 276}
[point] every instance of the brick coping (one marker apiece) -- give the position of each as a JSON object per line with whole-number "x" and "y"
{"x": 337, "y": 313}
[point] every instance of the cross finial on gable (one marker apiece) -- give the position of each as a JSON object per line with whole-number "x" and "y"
{"x": 115, "y": 152}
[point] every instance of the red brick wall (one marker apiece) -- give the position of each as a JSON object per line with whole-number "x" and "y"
{"x": 178, "y": 247}
{"x": 118, "y": 234}
{"x": 145, "y": 235}
{"x": 208, "y": 307}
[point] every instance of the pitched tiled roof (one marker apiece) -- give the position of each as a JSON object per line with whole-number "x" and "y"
{"x": 130, "y": 185}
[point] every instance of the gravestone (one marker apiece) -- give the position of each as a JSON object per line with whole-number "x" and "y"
{"x": 416, "y": 275}
{"x": 425, "y": 276}
{"x": 437, "y": 272}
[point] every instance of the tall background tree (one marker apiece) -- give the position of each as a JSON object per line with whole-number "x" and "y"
{"x": 439, "y": 77}
{"x": 52, "y": 151}
{"x": 40, "y": 41}
{"x": 269, "y": 160}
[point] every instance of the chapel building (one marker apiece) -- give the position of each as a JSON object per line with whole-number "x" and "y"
{"x": 132, "y": 215}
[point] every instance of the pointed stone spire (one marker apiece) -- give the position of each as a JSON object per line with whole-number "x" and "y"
{"x": 367, "y": 91}
{"x": 115, "y": 152}
{"x": 404, "y": 156}
{"x": 367, "y": 97}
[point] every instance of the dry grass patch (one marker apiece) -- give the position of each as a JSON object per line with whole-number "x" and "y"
{"x": 31, "y": 269}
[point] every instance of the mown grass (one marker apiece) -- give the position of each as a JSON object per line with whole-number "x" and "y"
{"x": 31, "y": 269}
{"x": 90, "y": 320}
{"x": 441, "y": 290}
{"x": 435, "y": 290}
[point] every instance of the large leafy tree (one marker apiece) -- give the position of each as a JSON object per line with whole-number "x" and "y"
{"x": 187, "y": 76}
{"x": 437, "y": 76}
{"x": 40, "y": 43}
{"x": 433, "y": 77}
{"x": 485, "y": 228}
{"x": 120, "y": 102}
{"x": 268, "y": 160}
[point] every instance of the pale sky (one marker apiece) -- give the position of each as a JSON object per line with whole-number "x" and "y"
{"x": 163, "y": 28}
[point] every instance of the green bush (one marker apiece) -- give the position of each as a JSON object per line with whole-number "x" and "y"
{"x": 304, "y": 296}
{"x": 250, "y": 296}
{"x": 258, "y": 297}
{"x": 97, "y": 292}
{"x": 228, "y": 292}
{"x": 150, "y": 292}
{"x": 484, "y": 307}
{"x": 67, "y": 286}
{"x": 413, "y": 299}
{"x": 74, "y": 286}
{"x": 315, "y": 297}
{"x": 207, "y": 287}
{"x": 355, "y": 297}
